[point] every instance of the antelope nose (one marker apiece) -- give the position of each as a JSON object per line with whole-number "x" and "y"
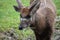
{"x": 20, "y": 28}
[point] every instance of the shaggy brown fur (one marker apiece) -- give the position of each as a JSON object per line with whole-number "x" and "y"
{"x": 44, "y": 20}
{"x": 31, "y": 1}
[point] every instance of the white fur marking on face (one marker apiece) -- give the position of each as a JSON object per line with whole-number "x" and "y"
{"x": 23, "y": 19}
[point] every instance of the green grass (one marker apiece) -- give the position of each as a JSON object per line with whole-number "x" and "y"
{"x": 9, "y": 18}
{"x": 57, "y": 2}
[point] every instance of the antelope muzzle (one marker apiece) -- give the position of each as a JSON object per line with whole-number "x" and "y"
{"x": 24, "y": 23}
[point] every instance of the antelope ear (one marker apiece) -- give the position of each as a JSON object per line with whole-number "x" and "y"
{"x": 16, "y": 8}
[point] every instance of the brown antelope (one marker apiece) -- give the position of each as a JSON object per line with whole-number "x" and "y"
{"x": 40, "y": 15}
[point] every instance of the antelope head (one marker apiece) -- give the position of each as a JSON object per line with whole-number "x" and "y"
{"x": 24, "y": 12}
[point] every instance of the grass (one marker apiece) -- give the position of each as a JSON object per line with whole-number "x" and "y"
{"x": 57, "y": 2}
{"x": 9, "y": 18}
